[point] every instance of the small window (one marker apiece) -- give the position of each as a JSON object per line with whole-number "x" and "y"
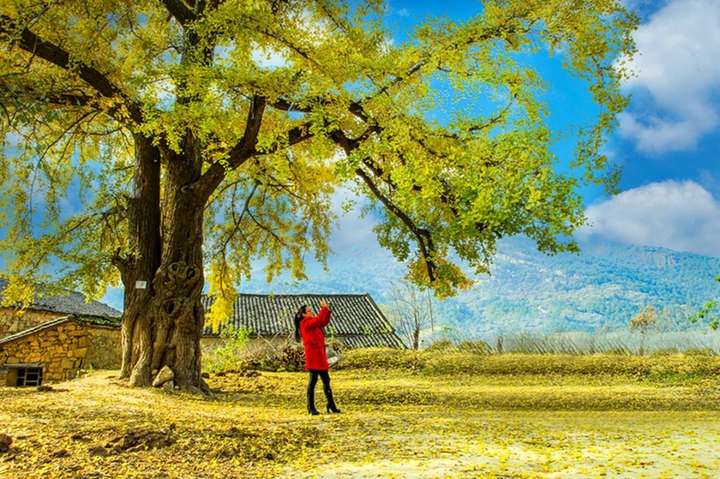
{"x": 24, "y": 376}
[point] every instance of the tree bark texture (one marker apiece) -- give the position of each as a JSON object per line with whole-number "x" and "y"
{"x": 162, "y": 323}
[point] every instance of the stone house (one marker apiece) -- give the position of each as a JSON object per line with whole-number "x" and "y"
{"x": 47, "y": 307}
{"x": 57, "y": 349}
{"x": 55, "y": 337}
{"x": 357, "y": 321}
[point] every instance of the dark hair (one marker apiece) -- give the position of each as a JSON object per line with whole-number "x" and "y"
{"x": 298, "y": 317}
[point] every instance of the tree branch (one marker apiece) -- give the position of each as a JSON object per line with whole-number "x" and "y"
{"x": 422, "y": 235}
{"x": 60, "y": 98}
{"x": 33, "y": 44}
{"x": 241, "y": 151}
{"x": 246, "y": 148}
{"x": 55, "y": 98}
{"x": 238, "y": 221}
{"x": 180, "y": 10}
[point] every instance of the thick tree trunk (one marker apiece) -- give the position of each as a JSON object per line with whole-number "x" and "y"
{"x": 163, "y": 324}
{"x": 145, "y": 243}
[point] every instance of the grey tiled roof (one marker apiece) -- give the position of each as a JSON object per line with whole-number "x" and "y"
{"x": 70, "y": 303}
{"x": 356, "y": 319}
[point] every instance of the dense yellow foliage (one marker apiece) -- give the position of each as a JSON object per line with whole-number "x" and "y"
{"x": 268, "y": 142}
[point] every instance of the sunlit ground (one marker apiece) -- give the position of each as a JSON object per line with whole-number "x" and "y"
{"x": 393, "y": 423}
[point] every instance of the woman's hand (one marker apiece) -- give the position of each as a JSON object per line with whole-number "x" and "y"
{"x": 323, "y": 304}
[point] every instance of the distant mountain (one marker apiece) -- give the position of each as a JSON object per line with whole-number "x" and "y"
{"x": 600, "y": 288}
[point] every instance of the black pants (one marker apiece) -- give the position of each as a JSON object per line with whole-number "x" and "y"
{"x": 325, "y": 376}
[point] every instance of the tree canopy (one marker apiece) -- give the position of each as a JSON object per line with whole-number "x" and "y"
{"x": 281, "y": 102}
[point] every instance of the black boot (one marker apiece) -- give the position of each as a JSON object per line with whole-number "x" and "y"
{"x": 331, "y": 407}
{"x": 311, "y": 402}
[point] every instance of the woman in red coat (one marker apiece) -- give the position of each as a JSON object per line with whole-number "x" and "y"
{"x": 310, "y": 328}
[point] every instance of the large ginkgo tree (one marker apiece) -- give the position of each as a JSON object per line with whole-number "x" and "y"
{"x": 158, "y": 143}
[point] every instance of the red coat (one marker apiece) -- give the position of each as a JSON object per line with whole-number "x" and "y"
{"x": 313, "y": 338}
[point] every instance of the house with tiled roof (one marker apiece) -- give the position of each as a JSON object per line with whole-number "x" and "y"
{"x": 56, "y": 336}
{"x": 47, "y": 307}
{"x": 57, "y": 349}
{"x": 357, "y": 321}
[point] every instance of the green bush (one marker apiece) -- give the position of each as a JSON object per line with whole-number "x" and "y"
{"x": 228, "y": 355}
{"x": 236, "y": 352}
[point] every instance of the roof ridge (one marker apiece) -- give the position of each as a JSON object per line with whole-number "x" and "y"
{"x": 356, "y": 315}
{"x": 65, "y": 301}
{"x": 38, "y": 327}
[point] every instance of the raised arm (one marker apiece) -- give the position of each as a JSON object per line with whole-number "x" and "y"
{"x": 324, "y": 316}
{"x": 321, "y": 320}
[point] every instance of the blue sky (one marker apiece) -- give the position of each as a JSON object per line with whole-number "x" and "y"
{"x": 667, "y": 142}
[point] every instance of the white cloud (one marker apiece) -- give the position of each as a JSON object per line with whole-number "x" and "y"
{"x": 165, "y": 93}
{"x": 387, "y": 45}
{"x": 315, "y": 25}
{"x": 316, "y": 28}
{"x": 678, "y": 75}
{"x": 678, "y": 215}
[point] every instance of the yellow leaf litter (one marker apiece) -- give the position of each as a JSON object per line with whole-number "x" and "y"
{"x": 394, "y": 424}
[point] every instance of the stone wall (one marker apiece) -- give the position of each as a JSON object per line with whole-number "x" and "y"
{"x": 60, "y": 350}
{"x": 104, "y": 350}
{"x": 11, "y": 321}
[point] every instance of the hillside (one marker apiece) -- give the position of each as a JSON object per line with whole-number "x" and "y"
{"x": 600, "y": 288}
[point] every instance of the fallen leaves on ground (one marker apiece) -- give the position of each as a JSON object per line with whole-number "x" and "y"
{"x": 393, "y": 424}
